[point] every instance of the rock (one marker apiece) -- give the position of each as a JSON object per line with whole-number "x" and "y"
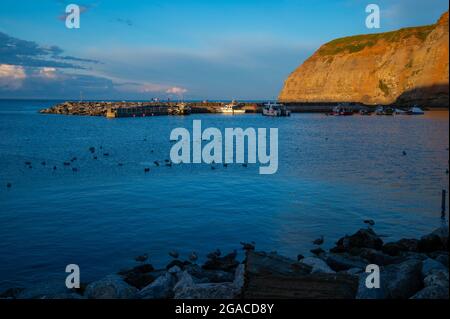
{"x": 398, "y": 281}
{"x": 161, "y": 288}
{"x": 442, "y": 258}
{"x": 363, "y": 238}
{"x": 239, "y": 277}
{"x": 403, "y": 280}
{"x": 139, "y": 276}
{"x": 428, "y": 265}
{"x": 370, "y": 293}
{"x": 432, "y": 292}
{"x": 437, "y": 240}
{"x": 178, "y": 263}
{"x": 225, "y": 263}
{"x": 396, "y": 248}
{"x": 174, "y": 270}
{"x": 207, "y": 291}
{"x": 339, "y": 262}
{"x": 184, "y": 280}
{"x": 318, "y": 265}
{"x": 376, "y": 257}
{"x": 110, "y": 287}
{"x": 437, "y": 278}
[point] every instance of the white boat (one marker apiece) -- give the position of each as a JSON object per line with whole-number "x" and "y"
{"x": 275, "y": 109}
{"x": 232, "y": 108}
{"x": 415, "y": 110}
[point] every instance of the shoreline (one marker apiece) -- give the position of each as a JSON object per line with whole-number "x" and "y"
{"x": 409, "y": 268}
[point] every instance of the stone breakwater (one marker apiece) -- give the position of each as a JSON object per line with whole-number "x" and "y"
{"x": 97, "y": 108}
{"x": 409, "y": 269}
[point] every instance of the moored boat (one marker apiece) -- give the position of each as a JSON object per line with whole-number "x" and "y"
{"x": 232, "y": 108}
{"x": 179, "y": 109}
{"x": 415, "y": 110}
{"x": 275, "y": 109}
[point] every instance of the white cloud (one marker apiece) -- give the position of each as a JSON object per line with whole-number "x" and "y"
{"x": 176, "y": 90}
{"x": 48, "y": 73}
{"x": 11, "y": 76}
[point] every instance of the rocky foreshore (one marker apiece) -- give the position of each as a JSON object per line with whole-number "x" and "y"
{"x": 409, "y": 269}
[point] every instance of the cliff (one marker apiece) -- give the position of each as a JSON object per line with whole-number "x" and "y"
{"x": 403, "y": 67}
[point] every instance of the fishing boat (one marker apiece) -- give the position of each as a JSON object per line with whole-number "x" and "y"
{"x": 275, "y": 109}
{"x": 365, "y": 112}
{"x": 341, "y": 110}
{"x": 232, "y": 108}
{"x": 382, "y": 110}
{"x": 415, "y": 110}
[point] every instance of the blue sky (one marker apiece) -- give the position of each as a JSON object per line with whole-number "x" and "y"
{"x": 196, "y": 49}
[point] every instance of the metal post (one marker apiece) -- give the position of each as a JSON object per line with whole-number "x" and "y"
{"x": 443, "y": 204}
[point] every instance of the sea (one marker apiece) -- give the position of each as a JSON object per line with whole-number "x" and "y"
{"x": 333, "y": 173}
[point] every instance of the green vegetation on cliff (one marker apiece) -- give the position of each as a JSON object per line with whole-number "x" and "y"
{"x": 357, "y": 43}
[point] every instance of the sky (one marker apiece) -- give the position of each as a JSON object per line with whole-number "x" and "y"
{"x": 178, "y": 49}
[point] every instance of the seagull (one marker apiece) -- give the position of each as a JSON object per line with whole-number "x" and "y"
{"x": 43, "y": 163}
{"x": 92, "y": 149}
{"x": 156, "y": 163}
{"x": 318, "y": 241}
{"x": 146, "y": 170}
{"x": 54, "y": 168}
{"x": 74, "y": 169}
{"x": 142, "y": 258}
{"x": 248, "y": 246}
{"x": 120, "y": 164}
{"x": 66, "y": 164}
{"x": 245, "y": 165}
{"x": 8, "y": 185}
{"x": 95, "y": 157}
{"x": 73, "y": 159}
{"x": 370, "y": 222}
{"x": 105, "y": 154}
{"x": 193, "y": 257}
{"x": 300, "y": 257}
{"x": 225, "y": 165}
{"x": 404, "y": 153}
{"x": 28, "y": 163}
{"x": 174, "y": 254}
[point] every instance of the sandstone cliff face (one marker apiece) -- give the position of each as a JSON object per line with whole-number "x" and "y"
{"x": 403, "y": 67}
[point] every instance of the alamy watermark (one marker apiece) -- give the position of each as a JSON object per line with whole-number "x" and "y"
{"x": 373, "y": 19}
{"x": 189, "y": 149}
{"x": 73, "y": 16}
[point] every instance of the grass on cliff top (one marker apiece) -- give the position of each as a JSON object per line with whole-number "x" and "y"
{"x": 359, "y": 42}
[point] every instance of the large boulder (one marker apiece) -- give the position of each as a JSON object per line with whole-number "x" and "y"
{"x": 404, "y": 279}
{"x": 437, "y": 278}
{"x": 340, "y": 262}
{"x": 161, "y": 288}
{"x": 363, "y": 238}
{"x": 428, "y": 265}
{"x": 377, "y": 257}
{"x": 139, "y": 276}
{"x": 397, "y": 281}
{"x": 225, "y": 263}
{"x": 398, "y": 247}
{"x": 432, "y": 292}
{"x": 317, "y": 264}
{"x": 110, "y": 287}
{"x": 437, "y": 240}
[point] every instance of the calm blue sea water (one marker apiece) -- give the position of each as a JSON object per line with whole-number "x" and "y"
{"x": 333, "y": 173}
